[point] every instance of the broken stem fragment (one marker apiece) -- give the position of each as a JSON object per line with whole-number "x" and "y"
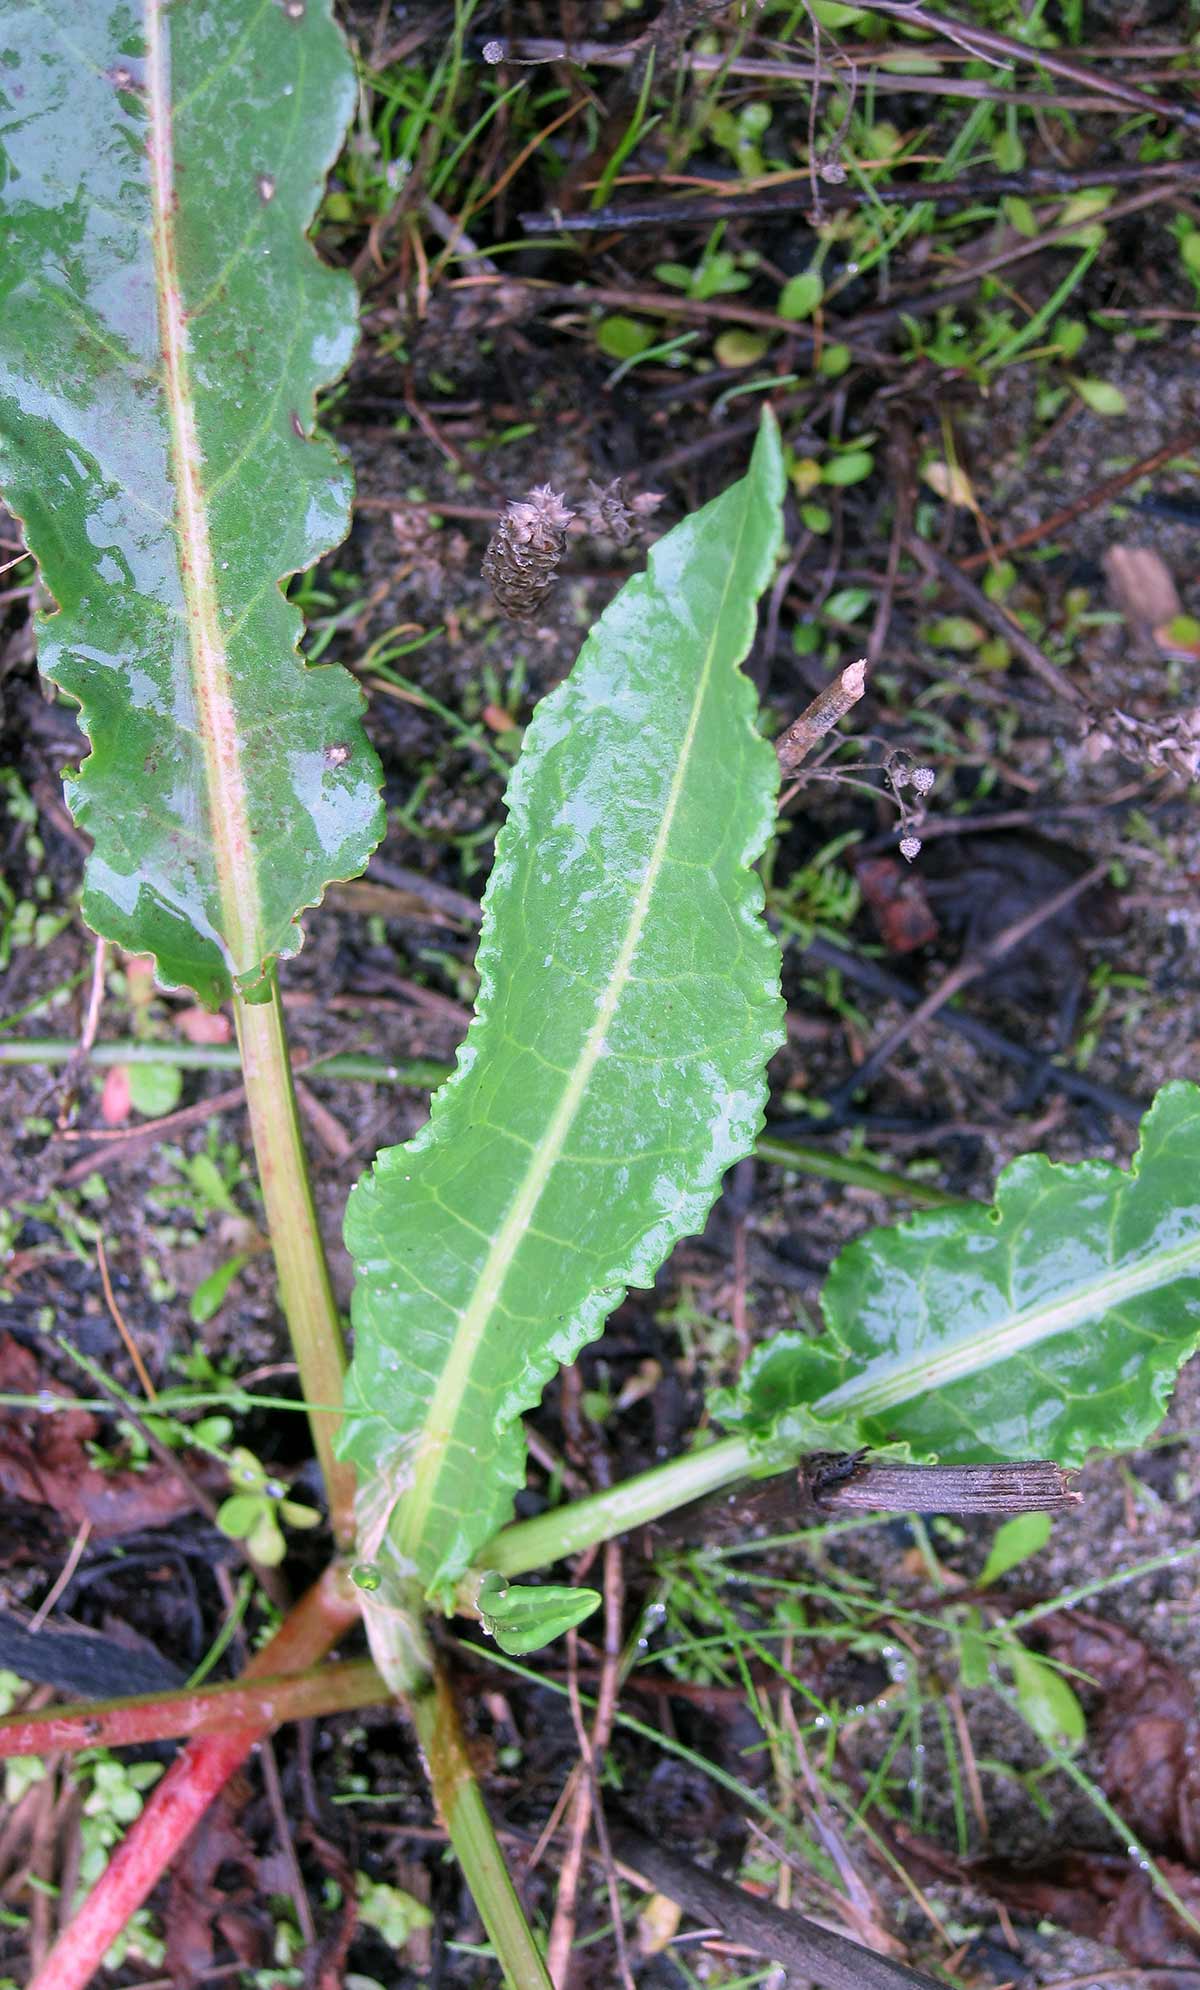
{"x": 827, "y": 709}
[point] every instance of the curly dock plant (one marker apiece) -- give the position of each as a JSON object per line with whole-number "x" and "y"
{"x": 166, "y": 325}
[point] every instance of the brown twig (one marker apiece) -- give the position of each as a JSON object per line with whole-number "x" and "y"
{"x": 118, "y": 1319}
{"x": 670, "y": 304}
{"x": 851, "y": 1486}
{"x": 287, "y": 1844}
{"x": 881, "y": 981}
{"x": 827, "y": 710}
{"x": 738, "y": 202}
{"x": 537, "y": 49}
{"x": 586, "y": 1805}
{"x": 987, "y": 43}
{"x": 1017, "y": 818}
{"x": 801, "y": 1945}
{"x": 994, "y": 618}
{"x": 87, "y": 1037}
{"x": 62, "y": 1579}
{"x": 1180, "y": 445}
{"x": 898, "y": 456}
{"x": 959, "y": 977}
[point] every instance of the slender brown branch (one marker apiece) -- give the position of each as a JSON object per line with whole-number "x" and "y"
{"x": 795, "y": 193}
{"x": 881, "y": 981}
{"x": 966, "y": 971}
{"x": 670, "y": 304}
{"x": 994, "y": 618}
{"x": 988, "y": 43}
{"x": 827, "y": 710}
{"x": 801, "y": 1945}
{"x": 537, "y": 49}
{"x": 1180, "y": 445}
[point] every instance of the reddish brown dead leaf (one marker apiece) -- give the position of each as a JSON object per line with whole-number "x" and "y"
{"x": 327, "y": 1967}
{"x": 895, "y": 896}
{"x": 498, "y": 719}
{"x": 203, "y": 1025}
{"x": 1147, "y": 1727}
{"x": 1106, "y": 1899}
{"x": 1141, "y": 586}
{"x": 115, "y": 1100}
{"x": 198, "y": 1909}
{"x": 44, "y": 1461}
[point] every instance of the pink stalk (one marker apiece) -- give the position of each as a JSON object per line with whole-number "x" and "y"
{"x": 325, "y": 1689}
{"x": 179, "y": 1801}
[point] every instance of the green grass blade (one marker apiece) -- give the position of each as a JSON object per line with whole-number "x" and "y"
{"x": 1046, "y": 1327}
{"x": 164, "y": 327}
{"x": 615, "y": 1068}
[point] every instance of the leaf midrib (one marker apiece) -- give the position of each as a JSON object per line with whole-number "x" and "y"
{"x": 890, "y": 1380}
{"x": 436, "y": 1433}
{"x": 228, "y": 813}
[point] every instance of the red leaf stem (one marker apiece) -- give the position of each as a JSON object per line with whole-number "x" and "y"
{"x": 325, "y": 1689}
{"x": 179, "y": 1801}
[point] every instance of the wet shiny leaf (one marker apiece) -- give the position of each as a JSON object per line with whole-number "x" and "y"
{"x": 164, "y": 327}
{"x": 1046, "y": 1327}
{"x": 523, "y": 1619}
{"x": 629, "y": 1000}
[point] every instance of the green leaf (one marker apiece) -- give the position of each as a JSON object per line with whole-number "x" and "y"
{"x": 164, "y": 328}
{"x": 297, "y": 1514}
{"x": 1044, "y": 1697}
{"x": 739, "y": 348}
{"x": 834, "y": 14}
{"x": 523, "y": 1619}
{"x": 1024, "y": 1535}
{"x": 394, "y": 1914}
{"x": 954, "y": 632}
{"x": 850, "y": 468}
{"x": 834, "y": 361}
{"x": 1018, "y": 211}
{"x": 239, "y": 1514}
{"x": 1042, "y": 1328}
{"x": 848, "y": 604}
{"x": 265, "y": 1540}
{"x": 800, "y": 296}
{"x": 615, "y": 1068}
{"x": 155, "y": 1089}
{"x": 209, "y": 1296}
{"x": 623, "y": 338}
{"x": 1100, "y": 396}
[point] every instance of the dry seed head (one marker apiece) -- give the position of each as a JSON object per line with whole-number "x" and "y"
{"x": 923, "y": 779}
{"x": 525, "y": 549}
{"x": 609, "y": 514}
{"x": 910, "y": 847}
